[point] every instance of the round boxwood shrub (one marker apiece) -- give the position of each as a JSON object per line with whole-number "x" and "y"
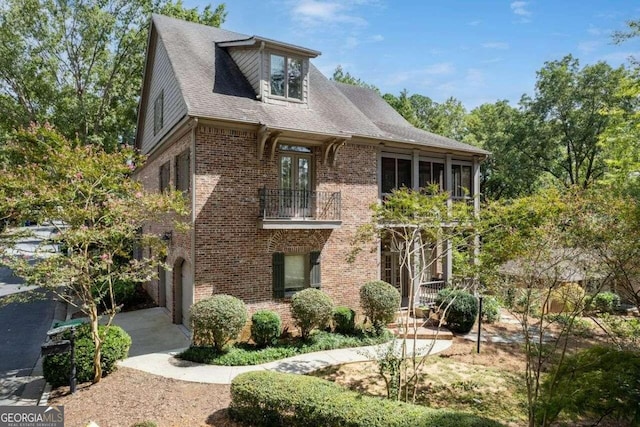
{"x": 311, "y": 308}
{"x": 116, "y": 345}
{"x": 266, "y": 327}
{"x": 605, "y": 302}
{"x": 380, "y": 302}
{"x": 217, "y": 320}
{"x": 462, "y": 311}
{"x": 344, "y": 320}
{"x": 490, "y": 309}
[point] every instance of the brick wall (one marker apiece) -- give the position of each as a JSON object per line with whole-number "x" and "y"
{"x": 180, "y": 244}
{"x": 233, "y": 256}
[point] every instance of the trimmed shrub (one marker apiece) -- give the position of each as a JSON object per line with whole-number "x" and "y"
{"x": 567, "y": 297}
{"x": 242, "y": 354}
{"x": 266, "y": 327}
{"x": 462, "y": 312}
{"x": 605, "y": 302}
{"x": 115, "y": 347}
{"x": 344, "y": 320}
{"x": 380, "y": 302}
{"x": 265, "y": 398}
{"x": 311, "y": 308}
{"x": 217, "y": 320}
{"x": 490, "y": 309}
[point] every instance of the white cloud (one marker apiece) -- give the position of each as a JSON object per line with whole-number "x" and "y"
{"x": 475, "y": 23}
{"x": 519, "y": 8}
{"x": 351, "y": 43}
{"x": 474, "y": 77}
{"x": 320, "y": 12}
{"x": 619, "y": 57}
{"x": 377, "y": 38}
{"x": 589, "y": 46}
{"x": 594, "y": 31}
{"x": 492, "y": 60}
{"x": 495, "y": 45}
{"x": 424, "y": 75}
{"x": 439, "y": 69}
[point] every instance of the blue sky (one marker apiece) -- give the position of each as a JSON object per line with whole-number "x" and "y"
{"x": 476, "y": 50}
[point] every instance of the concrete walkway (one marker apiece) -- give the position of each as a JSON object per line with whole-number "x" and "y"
{"x": 151, "y": 330}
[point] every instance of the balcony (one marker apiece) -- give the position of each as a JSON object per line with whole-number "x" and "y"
{"x": 299, "y": 209}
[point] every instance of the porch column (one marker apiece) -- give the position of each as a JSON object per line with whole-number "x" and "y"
{"x": 415, "y": 169}
{"x": 476, "y": 186}
{"x": 448, "y": 185}
{"x": 417, "y": 263}
{"x": 476, "y": 211}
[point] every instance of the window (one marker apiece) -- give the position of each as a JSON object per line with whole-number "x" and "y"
{"x": 295, "y": 182}
{"x": 294, "y": 272}
{"x": 431, "y": 173}
{"x": 396, "y": 173}
{"x": 461, "y": 176}
{"x": 286, "y": 77}
{"x": 183, "y": 172}
{"x": 158, "y": 113}
{"x": 165, "y": 171}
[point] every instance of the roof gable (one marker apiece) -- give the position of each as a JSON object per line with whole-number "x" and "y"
{"x": 213, "y": 86}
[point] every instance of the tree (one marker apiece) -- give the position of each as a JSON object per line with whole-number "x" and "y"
{"x": 620, "y": 141}
{"x": 402, "y": 104}
{"x": 535, "y": 249}
{"x": 340, "y": 76}
{"x": 446, "y": 119}
{"x": 78, "y": 65}
{"x": 500, "y": 129}
{"x": 99, "y": 212}
{"x": 566, "y": 119}
{"x": 416, "y": 223}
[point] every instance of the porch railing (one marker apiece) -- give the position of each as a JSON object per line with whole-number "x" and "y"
{"x": 428, "y": 292}
{"x": 303, "y": 204}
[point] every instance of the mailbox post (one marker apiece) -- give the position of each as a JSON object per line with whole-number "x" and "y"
{"x": 57, "y": 345}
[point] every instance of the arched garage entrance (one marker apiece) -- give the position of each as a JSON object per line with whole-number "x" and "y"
{"x": 182, "y": 292}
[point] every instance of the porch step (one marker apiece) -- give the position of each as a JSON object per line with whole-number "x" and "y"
{"x": 422, "y": 333}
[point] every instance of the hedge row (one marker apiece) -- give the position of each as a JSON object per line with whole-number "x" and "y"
{"x": 265, "y": 398}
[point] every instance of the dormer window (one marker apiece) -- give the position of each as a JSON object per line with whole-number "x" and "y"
{"x": 286, "y": 77}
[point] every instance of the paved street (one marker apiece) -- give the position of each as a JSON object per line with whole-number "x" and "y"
{"x": 23, "y": 328}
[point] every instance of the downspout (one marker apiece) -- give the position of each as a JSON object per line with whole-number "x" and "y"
{"x": 192, "y": 167}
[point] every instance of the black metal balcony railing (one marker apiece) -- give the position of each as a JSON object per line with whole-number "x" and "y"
{"x": 302, "y": 204}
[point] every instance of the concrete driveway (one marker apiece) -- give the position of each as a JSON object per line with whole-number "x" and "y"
{"x": 152, "y": 331}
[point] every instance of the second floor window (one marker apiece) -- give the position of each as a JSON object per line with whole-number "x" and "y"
{"x": 461, "y": 176}
{"x": 431, "y": 173}
{"x": 286, "y": 77}
{"x": 183, "y": 172}
{"x": 295, "y": 181}
{"x": 165, "y": 171}
{"x": 158, "y": 113}
{"x": 396, "y": 173}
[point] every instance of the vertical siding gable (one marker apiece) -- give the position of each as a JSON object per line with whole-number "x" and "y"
{"x": 162, "y": 77}
{"x": 248, "y": 60}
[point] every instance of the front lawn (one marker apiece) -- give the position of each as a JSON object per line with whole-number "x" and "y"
{"x": 241, "y": 354}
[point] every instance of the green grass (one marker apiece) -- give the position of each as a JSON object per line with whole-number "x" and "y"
{"x": 242, "y": 354}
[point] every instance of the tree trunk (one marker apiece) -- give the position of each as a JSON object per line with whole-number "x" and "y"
{"x": 97, "y": 342}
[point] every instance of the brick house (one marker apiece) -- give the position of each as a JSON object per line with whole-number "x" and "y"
{"x": 280, "y": 164}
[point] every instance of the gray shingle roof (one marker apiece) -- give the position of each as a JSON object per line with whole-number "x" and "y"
{"x": 214, "y": 87}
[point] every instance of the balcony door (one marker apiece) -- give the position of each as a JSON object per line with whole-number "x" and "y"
{"x": 295, "y": 182}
